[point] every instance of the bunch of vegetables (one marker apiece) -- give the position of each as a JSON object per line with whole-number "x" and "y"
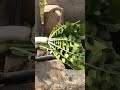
{"x": 67, "y": 43}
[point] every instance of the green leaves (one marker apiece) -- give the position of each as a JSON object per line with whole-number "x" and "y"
{"x": 101, "y": 57}
{"x": 21, "y": 49}
{"x": 102, "y": 69}
{"x": 96, "y": 51}
{"x": 66, "y": 43}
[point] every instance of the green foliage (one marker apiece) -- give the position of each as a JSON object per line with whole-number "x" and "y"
{"x": 21, "y": 49}
{"x": 67, "y": 43}
{"x": 17, "y": 48}
{"x": 102, "y": 61}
